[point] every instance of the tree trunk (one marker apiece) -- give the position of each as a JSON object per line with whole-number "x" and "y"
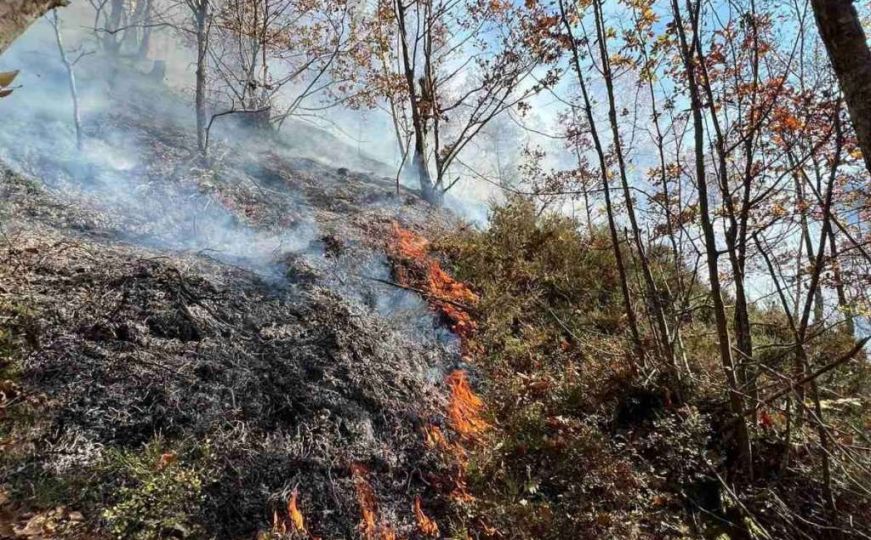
{"x": 17, "y": 15}
{"x": 606, "y": 189}
{"x": 427, "y": 189}
{"x": 843, "y": 303}
{"x": 202, "y": 16}
{"x": 71, "y": 79}
{"x": 736, "y": 399}
{"x": 655, "y": 299}
{"x": 848, "y": 51}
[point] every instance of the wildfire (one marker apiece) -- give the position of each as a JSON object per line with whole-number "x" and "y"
{"x": 414, "y": 267}
{"x": 295, "y": 515}
{"x": 425, "y": 525}
{"x": 369, "y": 526}
{"x": 409, "y": 244}
{"x": 465, "y": 407}
{"x": 293, "y": 521}
{"x": 446, "y": 295}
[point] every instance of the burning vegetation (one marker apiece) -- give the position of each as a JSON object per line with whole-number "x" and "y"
{"x": 208, "y": 330}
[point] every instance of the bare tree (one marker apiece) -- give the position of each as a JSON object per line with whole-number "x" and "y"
{"x": 69, "y": 65}
{"x": 460, "y": 66}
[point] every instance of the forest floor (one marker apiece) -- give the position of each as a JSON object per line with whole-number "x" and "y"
{"x": 251, "y": 371}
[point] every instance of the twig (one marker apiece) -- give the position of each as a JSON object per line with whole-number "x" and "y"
{"x": 421, "y": 292}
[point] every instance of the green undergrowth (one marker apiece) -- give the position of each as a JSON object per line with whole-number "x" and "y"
{"x": 584, "y": 444}
{"x": 159, "y": 491}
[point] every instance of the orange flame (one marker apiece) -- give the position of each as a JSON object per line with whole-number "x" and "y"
{"x": 435, "y": 438}
{"x": 369, "y": 526}
{"x": 409, "y": 244}
{"x": 446, "y": 294}
{"x": 425, "y": 524}
{"x": 465, "y": 407}
{"x": 292, "y": 521}
{"x": 366, "y": 499}
{"x": 295, "y": 515}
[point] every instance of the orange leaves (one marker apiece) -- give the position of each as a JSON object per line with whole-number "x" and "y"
{"x": 369, "y": 526}
{"x": 425, "y": 525}
{"x": 465, "y": 408}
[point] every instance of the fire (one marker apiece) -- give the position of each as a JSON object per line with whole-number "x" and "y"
{"x": 295, "y": 515}
{"x": 435, "y": 438}
{"x": 465, "y": 407}
{"x": 369, "y": 526}
{"x": 414, "y": 267}
{"x": 426, "y": 525}
{"x": 451, "y": 298}
{"x": 293, "y": 521}
{"x": 409, "y": 244}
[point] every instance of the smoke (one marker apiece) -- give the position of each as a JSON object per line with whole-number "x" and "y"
{"x": 140, "y": 173}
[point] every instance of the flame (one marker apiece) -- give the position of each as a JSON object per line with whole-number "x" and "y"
{"x": 295, "y": 515}
{"x": 465, "y": 407}
{"x": 414, "y": 267}
{"x": 409, "y": 244}
{"x": 292, "y": 521}
{"x": 426, "y": 525}
{"x": 366, "y": 499}
{"x": 435, "y": 437}
{"x": 369, "y": 527}
{"x": 446, "y": 294}
{"x": 278, "y": 524}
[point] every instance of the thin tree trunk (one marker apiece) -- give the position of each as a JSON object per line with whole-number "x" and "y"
{"x": 653, "y": 294}
{"x": 736, "y": 399}
{"x": 612, "y": 226}
{"x": 201, "y": 14}
{"x": 145, "y": 42}
{"x": 427, "y": 189}
{"x": 843, "y": 303}
{"x": 71, "y": 78}
{"x": 848, "y": 51}
{"x": 825, "y": 443}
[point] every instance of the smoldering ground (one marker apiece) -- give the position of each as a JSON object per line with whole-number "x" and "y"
{"x": 224, "y": 306}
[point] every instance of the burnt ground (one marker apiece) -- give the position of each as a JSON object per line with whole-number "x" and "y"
{"x": 223, "y": 313}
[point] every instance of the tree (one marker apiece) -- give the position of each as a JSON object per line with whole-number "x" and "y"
{"x": 461, "y": 63}
{"x": 270, "y": 56}
{"x": 574, "y": 46}
{"x": 688, "y": 54}
{"x": 850, "y": 56}
{"x": 69, "y": 65}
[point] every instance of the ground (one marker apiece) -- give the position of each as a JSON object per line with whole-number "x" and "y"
{"x": 194, "y": 343}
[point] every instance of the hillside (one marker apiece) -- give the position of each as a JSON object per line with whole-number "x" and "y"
{"x": 612, "y": 282}
{"x": 228, "y": 319}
